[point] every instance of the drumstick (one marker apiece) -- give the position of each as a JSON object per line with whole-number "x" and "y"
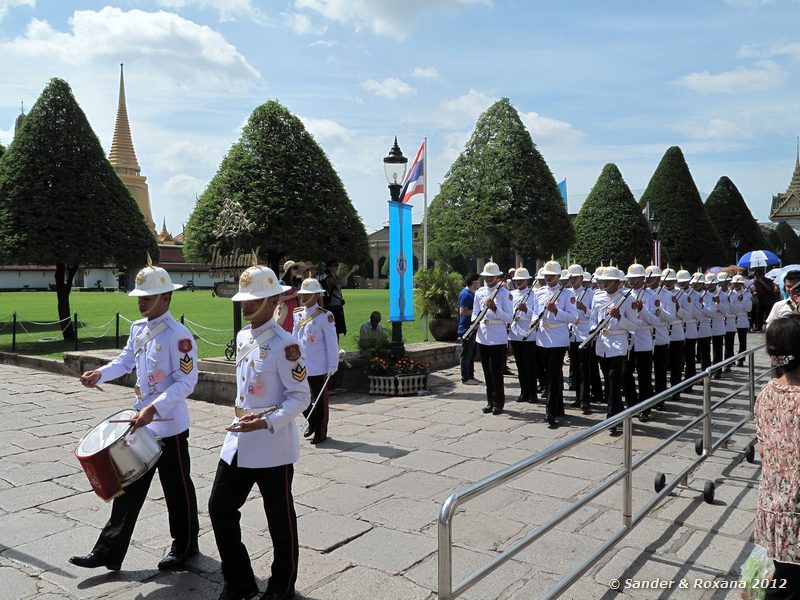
{"x": 134, "y": 420}
{"x": 78, "y": 375}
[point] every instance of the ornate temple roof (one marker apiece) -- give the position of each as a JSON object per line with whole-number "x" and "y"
{"x": 122, "y": 155}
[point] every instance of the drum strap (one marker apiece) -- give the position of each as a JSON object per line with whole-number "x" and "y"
{"x": 142, "y": 341}
{"x": 243, "y": 352}
{"x": 308, "y": 320}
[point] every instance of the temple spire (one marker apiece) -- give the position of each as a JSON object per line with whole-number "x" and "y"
{"x": 123, "y": 156}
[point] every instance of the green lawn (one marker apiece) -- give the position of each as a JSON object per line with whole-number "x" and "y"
{"x": 209, "y": 318}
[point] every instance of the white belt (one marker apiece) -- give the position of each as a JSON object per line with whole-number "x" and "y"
{"x": 553, "y": 325}
{"x": 615, "y": 332}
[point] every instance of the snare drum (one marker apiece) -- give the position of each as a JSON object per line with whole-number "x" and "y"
{"x": 113, "y": 456}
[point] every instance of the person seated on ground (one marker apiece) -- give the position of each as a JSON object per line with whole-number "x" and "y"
{"x": 372, "y": 337}
{"x": 777, "y": 415}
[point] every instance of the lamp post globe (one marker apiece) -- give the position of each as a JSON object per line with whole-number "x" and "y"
{"x": 394, "y": 167}
{"x": 655, "y": 227}
{"x": 735, "y": 241}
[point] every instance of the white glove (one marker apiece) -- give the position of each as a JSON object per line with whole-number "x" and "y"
{"x": 332, "y": 370}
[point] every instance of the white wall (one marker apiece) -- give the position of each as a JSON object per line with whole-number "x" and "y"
{"x": 17, "y": 280}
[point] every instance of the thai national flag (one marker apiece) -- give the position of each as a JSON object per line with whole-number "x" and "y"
{"x": 415, "y": 178}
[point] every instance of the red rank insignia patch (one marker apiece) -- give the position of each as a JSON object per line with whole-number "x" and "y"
{"x": 330, "y": 319}
{"x": 292, "y": 352}
{"x": 185, "y": 345}
{"x": 572, "y": 299}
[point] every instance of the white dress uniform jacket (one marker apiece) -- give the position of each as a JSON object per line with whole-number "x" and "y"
{"x": 492, "y": 328}
{"x": 707, "y": 310}
{"x": 689, "y": 304}
{"x": 316, "y": 329}
{"x": 742, "y": 307}
{"x": 613, "y": 340}
{"x": 659, "y": 303}
{"x": 682, "y": 312}
{"x": 166, "y": 370}
{"x": 645, "y": 321}
{"x": 522, "y": 318}
{"x": 730, "y": 315}
{"x": 553, "y": 329}
{"x": 272, "y": 373}
{"x": 721, "y": 307}
{"x": 583, "y": 324}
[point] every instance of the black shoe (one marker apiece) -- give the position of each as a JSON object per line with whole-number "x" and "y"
{"x": 94, "y": 560}
{"x": 660, "y": 406}
{"x": 318, "y": 439}
{"x": 507, "y": 371}
{"x": 487, "y": 409}
{"x": 174, "y": 559}
{"x": 644, "y": 418}
{"x": 552, "y": 423}
{"x": 587, "y": 410}
{"x": 228, "y": 594}
{"x": 575, "y": 404}
{"x": 522, "y": 398}
{"x": 740, "y": 363}
{"x": 613, "y": 430}
{"x": 532, "y": 400}
{"x": 497, "y": 410}
{"x": 277, "y": 596}
{"x": 309, "y": 432}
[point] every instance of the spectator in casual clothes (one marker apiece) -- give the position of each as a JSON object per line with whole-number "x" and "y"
{"x": 468, "y": 347}
{"x": 372, "y": 337}
{"x": 334, "y": 301}
{"x": 777, "y": 412}
{"x": 765, "y": 294}
{"x": 788, "y": 306}
{"x": 291, "y": 277}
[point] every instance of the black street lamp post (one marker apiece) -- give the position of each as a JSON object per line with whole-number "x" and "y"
{"x": 735, "y": 241}
{"x": 655, "y": 227}
{"x": 394, "y": 166}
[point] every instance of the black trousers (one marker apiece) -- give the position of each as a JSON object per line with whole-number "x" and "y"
{"x": 741, "y": 332}
{"x": 468, "y": 351}
{"x": 173, "y": 472}
{"x": 640, "y": 364}
{"x": 583, "y": 372}
{"x": 594, "y": 368}
{"x": 717, "y": 344}
{"x": 704, "y": 350}
{"x": 612, "y": 368}
{"x": 690, "y": 357}
{"x": 231, "y": 487}
{"x": 493, "y": 363}
{"x": 318, "y": 418}
{"x": 541, "y": 365}
{"x": 660, "y": 367}
{"x": 525, "y": 357}
{"x": 790, "y": 573}
{"x": 554, "y": 359}
{"x": 676, "y": 361}
{"x": 730, "y": 338}
{"x": 572, "y": 378}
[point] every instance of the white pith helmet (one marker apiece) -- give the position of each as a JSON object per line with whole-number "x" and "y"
{"x": 491, "y": 269}
{"x": 520, "y": 274}
{"x": 635, "y": 270}
{"x": 697, "y": 278}
{"x": 258, "y": 282}
{"x": 551, "y": 267}
{"x": 653, "y": 271}
{"x": 575, "y": 271}
{"x": 540, "y": 274}
{"x": 683, "y": 276}
{"x": 670, "y": 275}
{"x": 612, "y": 274}
{"x": 737, "y": 279}
{"x": 710, "y": 279}
{"x": 152, "y": 281}
{"x": 310, "y": 286}
{"x": 586, "y": 276}
{"x": 723, "y": 277}
{"x": 564, "y": 274}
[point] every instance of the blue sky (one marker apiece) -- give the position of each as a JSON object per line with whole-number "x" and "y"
{"x": 594, "y": 82}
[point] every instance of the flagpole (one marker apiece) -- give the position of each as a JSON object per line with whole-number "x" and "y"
{"x": 425, "y": 220}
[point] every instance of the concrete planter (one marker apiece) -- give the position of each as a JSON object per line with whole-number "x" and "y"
{"x": 397, "y": 385}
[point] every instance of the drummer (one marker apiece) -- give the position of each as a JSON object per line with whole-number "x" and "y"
{"x": 164, "y": 354}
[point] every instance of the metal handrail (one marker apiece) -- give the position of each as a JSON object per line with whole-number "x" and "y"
{"x": 446, "y": 591}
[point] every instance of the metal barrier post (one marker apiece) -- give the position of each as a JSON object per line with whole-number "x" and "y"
{"x": 707, "y": 414}
{"x": 75, "y": 328}
{"x": 751, "y": 373}
{"x": 116, "y": 332}
{"x": 14, "y": 333}
{"x": 445, "y": 591}
{"x": 627, "y": 483}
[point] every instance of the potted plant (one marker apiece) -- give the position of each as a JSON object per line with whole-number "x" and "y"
{"x": 437, "y": 293}
{"x": 396, "y": 377}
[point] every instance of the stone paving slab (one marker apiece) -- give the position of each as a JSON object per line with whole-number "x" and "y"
{"x": 368, "y": 499}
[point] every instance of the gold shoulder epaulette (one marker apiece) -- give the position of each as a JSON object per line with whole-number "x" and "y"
{"x": 298, "y": 309}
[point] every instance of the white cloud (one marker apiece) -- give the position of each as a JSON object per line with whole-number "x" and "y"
{"x": 179, "y": 193}
{"x": 390, "y": 88}
{"x": 391, "y": 19}
{"x": 546, "y": 130}
{"x": 324, "y": 43}
{"x": 766, "y": 75}
{"x": 181, "y": 51}
{"x": 7, "y": 5}
{"x": 790, "y": 49}
{"x": 229, "y": 10}
{"x": 325, "y": 129}
{"x": 301, "y": 24}
{"x": 182, "y": 155}
{"x": 425, "y": 73}
{"x": 467, "y": 107}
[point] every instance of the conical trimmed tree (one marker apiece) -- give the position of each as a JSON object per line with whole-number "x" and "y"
{"x": 687, "y": 234}
{"x": 499, "y": 196}
{"x": 610, "y": 224}
{"x": 61, "y": 202}
{"x": 789, "y": 246}
{"x": 731, "y": 217}
{"x": 288, "y": 188}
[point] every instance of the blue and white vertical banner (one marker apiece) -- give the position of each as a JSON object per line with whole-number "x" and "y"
{"x": 401, "y": 260}
{"x": 562, "y": 188}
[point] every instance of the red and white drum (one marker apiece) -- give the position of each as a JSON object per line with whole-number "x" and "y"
{"x": 113, "y": 456}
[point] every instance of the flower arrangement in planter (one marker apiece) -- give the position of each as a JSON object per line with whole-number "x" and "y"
{"x": 396, "y": 377}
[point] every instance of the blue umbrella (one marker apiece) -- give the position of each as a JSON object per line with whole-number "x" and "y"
{"x": 758, "y": 258}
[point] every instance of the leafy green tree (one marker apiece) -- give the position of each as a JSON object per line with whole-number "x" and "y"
{"x": 610, "y": 224}
{"x": 773, "y": 241}
{"x": 288, "y": 188}
{"x": 499, "y": 196}
{"x": 61, "y": 202}
{"x": 2, "y": 150}
{"x": 728, "y": 212}
{"x": 688, "y": 237}
{"x": 788, "y": 247}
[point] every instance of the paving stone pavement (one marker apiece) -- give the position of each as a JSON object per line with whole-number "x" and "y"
{"x": 368, "y": 499}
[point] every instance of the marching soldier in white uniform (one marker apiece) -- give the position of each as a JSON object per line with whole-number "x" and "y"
{"x": 491, "y": 334}
{"x": 707, "y": 309}
{"x": 659, "y": 302}
{"x": 688, "y": 300}
{"x": 315, "y": 327}
{"x": 724, "y": 281}
{"x": 164, "y": 354}
{"x": 743, "y": 304}
{"x": 580, "y": 361}
{"x": 557, "y": 309}
{"x": 262, "y": 443}
{"x": 523, "y": 300}
{"x": 640, "y": 357}
{"x": 719, "y": 304}
{"x": 677, "y": 334}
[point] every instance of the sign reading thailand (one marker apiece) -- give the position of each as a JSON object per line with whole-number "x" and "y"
{"x": 229, "y": 266}
{"x": 401, "y": 257}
